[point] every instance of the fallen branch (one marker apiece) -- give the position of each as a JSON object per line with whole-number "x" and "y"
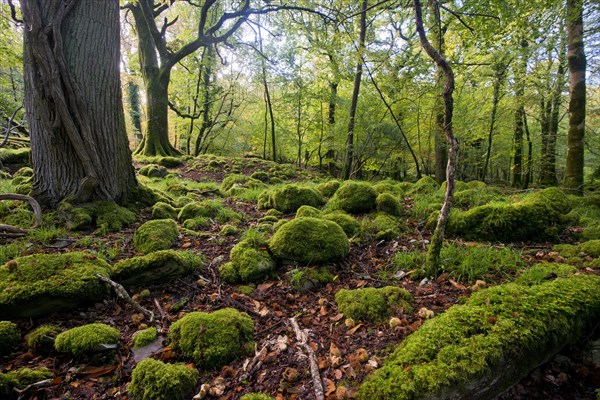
{"x": 254, "y": 364}
{"x": 122, "y": 293}
{"x": 302, "y": 338}
{"x": 9, "y": 231}
{"x": 163, "y": 316}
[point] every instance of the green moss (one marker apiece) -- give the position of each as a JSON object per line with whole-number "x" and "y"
{"x": 158, "y": 234}
{"x": 278, "y": 225}
{"x": 197, "y": 223}
{"x": 371, "y": 304}
{"x": 555, "y": 198}
{"x": 41, "y": 283}
{"x": 591, "y": 232}
{"x": 328, "y": 188}
{"x": 24, "y": 188}
{"x": 10, "y": 337}
{"x": 213, "y": 339}
{"x": 355, "y": 198}
{"x": 308, "y": 211}
{"x": 261, "y": 176}
{"x": 153, "y": 171}
{"x": 274, "y": 213}
{"x": 14, "y": 156}
{"x": 347, "y": 222}
{"x": 470, "y": 198}
{"x": 424, "y": 185}
{"x": 265, "y": 200}
{"x": 170, "y": 162}
{"x": 591, "y": 248}
{"x": 539, "y": 273}
{"x": 310, "y": 241}
{"x": 389, "y": 204}
{"x": 20, "y": 379}
{"x": 237, "y": 181}
{"x": 229, "y": 230}
{"x": 162, "y": 210}
{"x": 154, "y": 380}
{"x": 305, "y": 279}
{"x": 86, "y": 338}
{"x": 256, "y": 396}
{"x": 42, "y": 337}
{"x": 495, "y": 338}
{"x": 476, "y": 185}
{"x": 250, "y": 262}
{"x": 289, "y": 198}
{"x": 388, "y": 187}
{"x": 382, "y": 227}
{"x": 156, "y": 267}
{"x": 144, "y": 337}
{"x": 269, "y": 219}
{"x": 107, "y": 216}
{"x": 206, "y": 209}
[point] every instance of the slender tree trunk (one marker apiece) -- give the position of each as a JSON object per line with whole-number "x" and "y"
{"x": 433, "y": 252}
{"x": 519, "y": 74}
{"x": 330, "y": 155}
{"x": 500, "y": 74}
{"x": 348, "y": 163}
{"x": 440, "y": 146}
{"x": 268, "y": 98}
{"x": 529, "y": 162}
{"x": 577, "y": 90}
{"x": 73, "y": 102}
{"x": 208, "y": 62}
{"x": 133, "y": 97}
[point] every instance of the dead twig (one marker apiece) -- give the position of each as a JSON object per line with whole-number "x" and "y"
{"x": 302, "y": 338}
{"x": 160, "y": 310}
{"x": 254, "y": 364}
{"x": 122, "y": 293}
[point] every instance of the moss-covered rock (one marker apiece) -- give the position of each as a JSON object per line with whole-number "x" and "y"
{"x": 261, "y": 176}
{"x": 20, "y": 379}
{"x": 590, "y": 248}
{"x": 170, "y": 162}
{"x": 423, "y": 186}
{"x": 236, "y": 181}
{"x": 229, "y": 230}
{"x": 42, "y": 283}
{"x": 389, "y": 204}
{"x": 308, "y": 211}
{"x": 162, "y": 210}
{"x": 355, "y": 198}
{"x": 154, "y": 380}
{"x": 382, "y": 227}
{"x": 387, "y": 187}
{"x": 539, "y": 273}
{"x": 197, "y": 223}
{"x": 305, "y": 279}
{"x": 310, "y": 241}
{"x": 86, "y": 339}
{"x": 479, "y": 349}
{"x": 106, "y": 216}
{"x": 250, "y": 262}
{"x": 206, "y": 209}
{"x": 459, "y": 186}
{"x": 289, "y": 198}
{"x": 156, "y": 267}
{"x": 213, "y": 339}
{"x": 328, "y": 188}
{"x": 42, "y": 338}
{"x": 158, "y": 234}
{"x": 555, "y": 198}
{"x": 10, "y": 337}
{"x": 144, "y": 337}
{"x": 470, "y": 198}
{"x": 153, "y": 171}
{"x": 347, "y": 222}
{"x": 371, "y": 304}
{"x": 14, "y": 156}
{"x": 256, "y": 396}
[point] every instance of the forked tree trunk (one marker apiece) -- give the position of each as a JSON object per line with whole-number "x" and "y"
{"x": 73, "y": 100}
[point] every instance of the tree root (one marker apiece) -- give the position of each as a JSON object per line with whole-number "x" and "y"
{"x": 11, "y": 232}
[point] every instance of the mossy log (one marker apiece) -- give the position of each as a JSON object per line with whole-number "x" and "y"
{"x": 157, "y": 267}
{"x": 480, "y": 349}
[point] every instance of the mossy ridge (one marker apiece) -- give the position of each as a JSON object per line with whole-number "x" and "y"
{"x": 157, "y": 234}
{"x": 213, "y": 339}
{"x": 34, "y": 285}
{"x": 86, "y": 338}
{"x": 354, "y": 198}
{"x": 154, "y": 380}
{"x": 310, "y": 241}
{"x": 463, "y": 353}
{"x": 539, "y": 273}
{"x": 42, "y": 337}
{"x": 20, "y": 379}
{"x": 10, "y": 336}
{"x": 158, "y": 266}
{"x": 373, "y": 304}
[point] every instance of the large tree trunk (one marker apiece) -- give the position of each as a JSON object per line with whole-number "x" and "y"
{"x": 577, "y": 65}
{"x": 73, "y": 101}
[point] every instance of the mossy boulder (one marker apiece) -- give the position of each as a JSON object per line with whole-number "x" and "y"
{"x": 382, "y": 227}
{"x": 555, "y": 198}
{"x": 389, "y": 204}
{"x": 540, "y": 273}
{"x": 42, "y": 283}
{"x": 308, "y": 211}
{"x": 470, "y": 198}
{"x": 106, "y": 216}
{"x": 170, "y": 162}
{"x": 289, "y": 198}
{"x": 261, "y": 176}
{"x": 213, "y": 339}
{"x": 197, "y": 223}
{"x": 86, "y": 339}
{"x": 250, "y": 262}
{"x": 10, "y": 337}
{"x": 372, "y": 304}
{"x": 591, "y": 248}
{"x": 156, "y": 267}
{"x": 328, "y": 188}
{"x": 158, "y": 234}
{"x": 153, "y": 171}
{"x": 310, "y": 241}
{"x": 425, "y": 185}
{"x": 305, "y": 279}
{"x": 346, "y": 221}
{"x": 155, "y": 380}
{"x": 459, "y": 186}
{"x": 144, "y": 337}
{"x": 355, "y": 198}
{"x": 479, "y": 349}
{"x": 238, "y": 181}
{"x": 42, "y": 338}
{"x": 207, "y": 209}
{"x": 20, "y": 379}
{"x": 162, "y": 210}
{"x": 15, "y": 156}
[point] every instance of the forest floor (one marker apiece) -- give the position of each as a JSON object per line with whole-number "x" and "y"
{"x": 339, "y": 348}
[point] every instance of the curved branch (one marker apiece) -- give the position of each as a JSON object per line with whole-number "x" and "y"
{"x": 37, "y": 210}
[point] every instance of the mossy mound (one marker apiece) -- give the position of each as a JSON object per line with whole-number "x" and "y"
{"x": 170, "y": 162}
{"x": 388, "y": 187}
{"x": 213, "y": 339}
{"x": 154, "y": 380}
{"x": 197, "y": 224}
{"x": 539, "y": 273}
{"x": 382, "y": 227}
{"x": 209, "y": 209}
{"x": 479, "y": 349}
{"x": 556, "y": 198}
{"x": 144, "y": 337}
{"x": 328, "y": 188}
{"x": 346, "y": 221}
{"x": 289, "y": 198}
{"x": 106, "y": 216}
{"x": 42, "y": 283}
{"x": 470, "y": 198}
{"x": 305, "y": 279}
{"x": 14, "y": 156}
{"x": 371, "y": 304}
{"x": 256, "y": 396}
{"x": 389, "y": 204}
{"x": 250, "y": 262}
{"x": 162, "y": 210}
{"x": 42, "y": 338}
{"x": 156, "y": 267}
{"x": 10, "y": 337}
{"x": 158, "y": 234}
{"x": 86, "y": 339}
{"x": 237, "y": 181}
{"x": 591, "y": 248}
{"x": 153, "y": 171}
{"x": 355, "y": 198}
{"x": 261, "y": 176}
{"x": 425, "y": 185}
{"x": 459, "y": 186}
{"x": 308, "y": 211}
{"x": 20, "y": 379}
{"x": 310, "y": 241}
{"x": 229, "y": 230}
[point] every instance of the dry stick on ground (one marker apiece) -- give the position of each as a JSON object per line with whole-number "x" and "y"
{"x": 302, "y": 338}
{"x": 8, "y": 231}
{"x": 254, "y": 364}
{"x": 122, "y": 293}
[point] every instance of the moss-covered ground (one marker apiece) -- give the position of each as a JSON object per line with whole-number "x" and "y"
{"x": 211, "y": 204}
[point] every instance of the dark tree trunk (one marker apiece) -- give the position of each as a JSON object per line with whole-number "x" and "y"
{"x": 519, "y": 74}
{"x": 330, "y": 155}
{"x": 73, "y": 101}
{"x": 208, "y": 63}
{"x": 499, "y": 75}
{"x": 529, "y": 163}
{"x": 440, "y": 146}
{"x": 348, "y": 162}
{"x": 577, "y": 89}
{"x": 133, "y": 97}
